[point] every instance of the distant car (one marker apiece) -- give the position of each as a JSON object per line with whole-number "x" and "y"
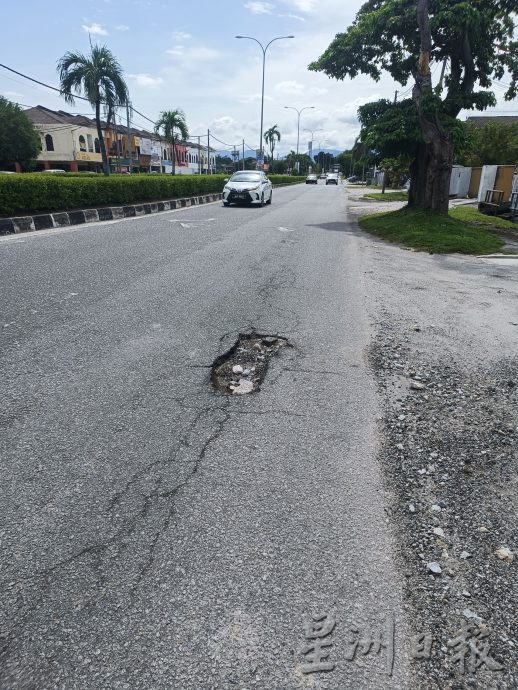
{"x": 56, "y": 170}
{"x": 247, "y": 187}
{"x": 7, "y": 172}
{"x": 407, "y": 185}
{"x": 332, "y": 178}
{"x": 311, "y": 179}
{"x": 353, "y": 178}
{"x": 323, "y": 176}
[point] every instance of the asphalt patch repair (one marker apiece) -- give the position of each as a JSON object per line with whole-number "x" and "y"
{"x": 242, "y": 369}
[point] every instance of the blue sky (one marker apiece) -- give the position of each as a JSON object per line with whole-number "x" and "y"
{"x": 178, "y": 54}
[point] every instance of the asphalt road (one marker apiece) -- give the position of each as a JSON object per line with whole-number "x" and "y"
{"x": 158, "y": 534}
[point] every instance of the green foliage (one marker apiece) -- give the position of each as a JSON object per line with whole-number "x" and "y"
{"x": 345, "y": 161}
{"x": 324, "y": 160}
{"x": 38, "y": 193}
{"x": 474, "y": 40}
{"x": 397, "y": 170}
{"x": 468, "y": 214}
{"x": 391, "y": 129}
{"x": 477, "y": 38}
{"x": 19, "y": 140}
{"x": 303, "y": 159}
{"x": 434, "y": 232}
{"x": 173, "y": 126}
{"x": 270, "y": 136}
{"x": 99, "y": 77}
{"x": 492, "y": 144}
{"x": 387, "y": 196}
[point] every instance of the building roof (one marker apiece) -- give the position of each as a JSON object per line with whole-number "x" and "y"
{"x": 481, "y": 120}
{"x": 44, "y": 116}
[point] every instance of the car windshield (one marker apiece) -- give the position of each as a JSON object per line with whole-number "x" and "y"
{"x": 246, "y": 177}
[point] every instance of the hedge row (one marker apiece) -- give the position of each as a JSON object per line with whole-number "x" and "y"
{"x": 36, "y": 193}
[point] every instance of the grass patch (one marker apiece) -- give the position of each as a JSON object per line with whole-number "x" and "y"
{"x": 469, "y": 214}
{"x": 388, "y": 196}
{"x": 436, "y": 233}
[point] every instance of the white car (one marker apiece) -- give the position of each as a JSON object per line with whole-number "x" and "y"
{"x": 247, "y": 187}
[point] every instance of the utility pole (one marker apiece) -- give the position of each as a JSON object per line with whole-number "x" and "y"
{"x": 243, "y": 163}
{"x": 129, "y": 137}
{"x": 208, "y": 152}
{"x": 395, "y": 97}
{"x": 199, "y": 155}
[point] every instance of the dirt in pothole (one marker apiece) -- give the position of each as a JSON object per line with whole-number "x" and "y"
{"x": 242, "y": 369}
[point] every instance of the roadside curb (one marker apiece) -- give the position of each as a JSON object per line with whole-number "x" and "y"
{"x": 46, "y": 221}
{"x": 61, "y": 219}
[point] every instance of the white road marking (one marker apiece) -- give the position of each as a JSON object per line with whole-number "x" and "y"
{"x": 281, "y": 229}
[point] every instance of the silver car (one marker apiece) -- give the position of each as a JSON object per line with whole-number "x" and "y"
{"x": 247, "y": 187}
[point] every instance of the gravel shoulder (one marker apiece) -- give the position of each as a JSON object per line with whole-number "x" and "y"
{"x": 444, "y": 357}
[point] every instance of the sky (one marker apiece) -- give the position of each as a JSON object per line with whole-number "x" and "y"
{"x": 180, "y": 54}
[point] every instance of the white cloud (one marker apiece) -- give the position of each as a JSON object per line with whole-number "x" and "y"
{"x": 259, "y": 7}
{"x": 302, "y": 5}
{"x": 254, "y": 98}
{"x": 181, "y": 36}
{"x": 223, "y": 124}
{"x": 349, "y": 112}
{"x": 295, "y": 88}
{"x": 94, "y": 29}
{"x": 194, "y": 53}
{"x": 290, "y": 87}
{"x": 291, "y": 16}
{"x": 12, "y": 95}
{"x": 146, "y": 81}
{"x": 122, "y": 27}
{"x": 176, "y": 51}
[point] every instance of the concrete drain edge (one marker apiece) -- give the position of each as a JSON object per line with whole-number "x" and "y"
{"x": 242, "y": 369}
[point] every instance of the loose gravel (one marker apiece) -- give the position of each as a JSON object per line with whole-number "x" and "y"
{"x": 449, "y": 459}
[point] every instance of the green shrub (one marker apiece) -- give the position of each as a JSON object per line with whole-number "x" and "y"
{"x": 30, "y": 193}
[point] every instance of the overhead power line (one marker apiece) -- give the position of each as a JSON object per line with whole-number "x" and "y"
{"x": 82, "y": 98}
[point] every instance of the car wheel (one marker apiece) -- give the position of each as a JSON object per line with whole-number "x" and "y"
{"x": 226, "y": 203}
{"x": 270, "y": 199}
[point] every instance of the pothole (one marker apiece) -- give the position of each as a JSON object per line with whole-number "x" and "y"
{"x": 242, "y": 369}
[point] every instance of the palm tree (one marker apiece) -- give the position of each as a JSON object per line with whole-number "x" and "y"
{"x": 97, "y": 76}
{"x": 174, "y": 129}
{"x": 269, "y": 136}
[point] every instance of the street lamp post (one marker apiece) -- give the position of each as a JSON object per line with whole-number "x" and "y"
{"x": 264, "y": 49}
{"x": 319, "y": 129}
{"x": 290, "y": 107}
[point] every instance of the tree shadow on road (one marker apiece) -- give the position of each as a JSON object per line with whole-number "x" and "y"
{"x": 337, "y": 226}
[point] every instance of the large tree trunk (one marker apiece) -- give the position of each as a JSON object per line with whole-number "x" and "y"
{"x": 431, "y": 170}
{"x": 430, "y": 173}
{"x": 106, "y": 167}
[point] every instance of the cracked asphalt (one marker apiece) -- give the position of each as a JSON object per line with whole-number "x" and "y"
{"x": 156, "y": 533}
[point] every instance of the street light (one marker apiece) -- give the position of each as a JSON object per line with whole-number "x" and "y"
{"x": 319, "y": 129}
{"x": 290, "y": 107}
{"x": 264, "y": 49}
